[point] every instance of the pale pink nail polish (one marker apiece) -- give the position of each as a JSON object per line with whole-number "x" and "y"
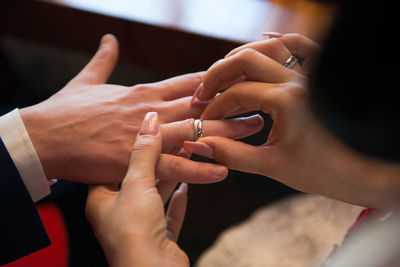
{"x": 199, "y": 149}
{"x": 195, "y": 99}
{"x": 184, "y": 153}
{"x": 183, "y": 188}
{"x": 272, "y": 34}
{"x": 150, "y": 124}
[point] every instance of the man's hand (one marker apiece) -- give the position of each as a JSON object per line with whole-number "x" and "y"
{"x": 84, "y": 132}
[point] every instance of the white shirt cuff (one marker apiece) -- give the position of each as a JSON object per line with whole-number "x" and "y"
{"x": 19, "y": 146}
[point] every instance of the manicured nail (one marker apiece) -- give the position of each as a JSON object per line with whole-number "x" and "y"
{"x": 184, "y": 153}
{"x": 272, "y": 34}
{"x": 183, "y": 188}
{"x": 150, "y": 124}
{"x": 199, "y": 149}
{"x": 195, "y": 99}
{"x": 253, "y": 120}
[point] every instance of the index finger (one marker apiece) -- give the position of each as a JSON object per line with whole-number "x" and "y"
{"x": 179, "y": 86}
{"x": 273, "y": 48}
{"x": 300, "y": 45}
{"x": 250, "y": 63}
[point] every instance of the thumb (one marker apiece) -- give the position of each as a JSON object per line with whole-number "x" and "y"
{"x": 100, "y": 67}
{"x": 145, "y": 154}
{"x": 237, "y": 155}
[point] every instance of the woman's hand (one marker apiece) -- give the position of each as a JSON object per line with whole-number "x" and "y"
{"x": 84, "y": 132}
{"x": 130, "y": 223}
{"x": 299, "y": 151}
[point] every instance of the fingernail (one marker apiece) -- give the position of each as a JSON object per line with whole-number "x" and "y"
{"x": 183, "y": 188}
{"x": 150, "y": 124}
{"x": 184, "y": 153}
{"x": 195, "y": 99}
{"x": 272, "y": 34}
{"x": 252, "y": 120}
{"x": 105, "y": 37}
{"x": 198, "y": 148}
{"x": 220, "y": 172}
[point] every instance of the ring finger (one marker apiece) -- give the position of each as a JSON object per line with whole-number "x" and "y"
{"x": 175, "y": 133}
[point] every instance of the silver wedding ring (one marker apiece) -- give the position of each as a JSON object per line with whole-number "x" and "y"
{"x": 291, "y": 62}
{"x": 198, "y": 128}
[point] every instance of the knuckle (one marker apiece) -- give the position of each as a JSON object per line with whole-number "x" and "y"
{"x": 141, "y": 146}
{"x": 175, "y": 166}
{"x": 297, "y": 91}
{"x": 225, "y": 156}
{"x": 231, "y": 160}
{"x": 140, "y": 88}
{"x": 273, "y": 43}
{"x": 188, "y": 124}
{"x": 144, "y": 108}
{"x": 288, "y": 95}
{"x": 246, "y": 54}
{"x": 297, "y": 38}
{"x": 197, "y": 78}
{"x": 212, "y": 70}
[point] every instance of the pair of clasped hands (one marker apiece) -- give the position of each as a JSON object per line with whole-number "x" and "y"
{"x": 95, "y": 130}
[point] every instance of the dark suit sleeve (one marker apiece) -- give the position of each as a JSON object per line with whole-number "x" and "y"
{"x": 21, "y": 229}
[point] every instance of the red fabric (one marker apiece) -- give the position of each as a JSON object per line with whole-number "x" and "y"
{"x": 58, "y": 252}
{"x": 363, "y": 215}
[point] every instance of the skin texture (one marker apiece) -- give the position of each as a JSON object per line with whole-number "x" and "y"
{"x": 299, "y": 152}
{"x": 85, "y": 131}
{"x": 130, "y": 223}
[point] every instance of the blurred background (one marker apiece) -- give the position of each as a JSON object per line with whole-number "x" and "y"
{"x": 44, "y": 44}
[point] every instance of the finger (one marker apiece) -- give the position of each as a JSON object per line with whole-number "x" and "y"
{"x": 145, "y": 154}
{"x": 176, "y": 212}
{"x": 195, "y": 101}
{"x": 165, "y": 189}
{"x": 237, "y": 155}
{"x": 179, "y": 169}
{"x": 100, "y": 67}
{"x": 180, "y": 109}
{"x": 248, "y": 62}
{"x": 180, "y": 86}
{"x": 300, "y": 45}
{"x": 273, "y": 48}
{"x": 242, "y": 97}
{"x": 176, "y": 132}
{"x": 97, "y": 195}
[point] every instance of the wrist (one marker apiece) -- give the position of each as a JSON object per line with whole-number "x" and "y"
{"x": 360, "y": 179}
{"x": 37, "y": 129}
{"x": 132, "y": 254}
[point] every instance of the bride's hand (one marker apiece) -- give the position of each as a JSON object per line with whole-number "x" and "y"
{"x": 300, "y": 151}
{"x": 130, "y": 223}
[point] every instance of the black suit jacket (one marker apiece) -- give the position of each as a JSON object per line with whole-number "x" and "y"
{"x": 21, "y": 229}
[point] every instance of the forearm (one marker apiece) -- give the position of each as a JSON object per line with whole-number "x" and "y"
{"x": 359, "y": 179}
